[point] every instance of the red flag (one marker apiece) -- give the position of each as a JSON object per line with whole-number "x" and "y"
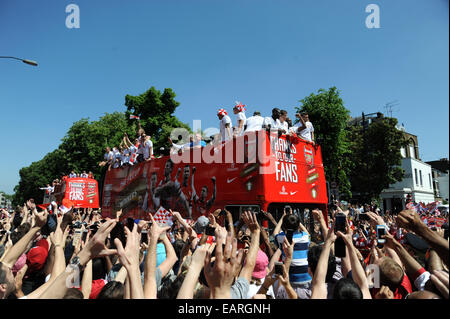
{"x": 134, "y": 117}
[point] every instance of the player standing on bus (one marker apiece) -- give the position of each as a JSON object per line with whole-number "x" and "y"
{"x": 239, "y": 110}
{"x": 225, "y": 125}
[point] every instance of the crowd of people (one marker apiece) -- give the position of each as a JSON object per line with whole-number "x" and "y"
{"x": 81, "y": 254}
{"x": 128, "y": 153}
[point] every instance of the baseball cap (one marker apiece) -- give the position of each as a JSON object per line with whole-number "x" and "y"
{"x": 201, "y": 224}
{"x": 37, "y": 256}
{"x": 260, "y": 271}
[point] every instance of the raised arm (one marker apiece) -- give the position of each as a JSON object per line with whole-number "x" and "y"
{"x": 190, "y": 281}
{"x": 358, "y": 274}
{"x": 252, "y": 224}
{"x": 150, "y": 289}
{"x": 129, "y": 258}
{"x": 20, "y": 247}
{"x": 86, "y": 282}
{"x": 277, "y": 229}
{"x": 171, "y": 257}
{"x": 410, "y": 220}
{"x": 319, "y": 287}
{"x": 94, "y": 248}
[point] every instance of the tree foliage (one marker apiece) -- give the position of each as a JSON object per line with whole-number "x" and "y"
{"x": 84, "y": 144}
{"x": 329, "y": 117}
{"x": 376, "y": 157}
{"x": 155, "y": 110}
{"x": 82, "y": 148}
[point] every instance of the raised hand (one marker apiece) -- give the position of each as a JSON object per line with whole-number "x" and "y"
{"x": 409, "y": 219}
{"x": 155, "y": 230}
{"x": 384, "y": 293}
{"x": 440, "y": 280}
{"x": 317, "y": 214}
{"x": 95, "y": 247}
{"x": 251, "y": 221}
{"x": 129, "y": 256}
{"x": 220, "y": 277}
{"x": 375, "y": 219}
{"x": 348, "y": 236}
{"x": 40, "y": 219}
{"x": 331, "y": 236}
{"x": 288, "y": 248}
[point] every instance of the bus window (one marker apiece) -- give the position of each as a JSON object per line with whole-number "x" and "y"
{"x": 304, "y": 212}
{"x": 237, "y": 210}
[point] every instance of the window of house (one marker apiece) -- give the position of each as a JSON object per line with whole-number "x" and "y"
{"x": 412, "y": 151}
{"x": 415, "y": 176}
{"x": 403, "y": 152}
{"x": 420, "y": 175}
{"x": 429, "y": 180}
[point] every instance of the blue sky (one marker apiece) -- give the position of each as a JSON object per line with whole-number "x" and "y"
{"x": 211, "y": 53}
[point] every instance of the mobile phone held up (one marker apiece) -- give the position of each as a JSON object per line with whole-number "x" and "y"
{"x": 210, "y": 231}
{"x": 339, "y": 244}
{"x": 381, "y": 231}
{"x": 144, "y": 237}
{"x": 341, "y": 223}
{"x": 278, "y": 268}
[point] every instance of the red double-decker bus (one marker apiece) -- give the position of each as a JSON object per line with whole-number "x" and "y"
{"x": 258, "y": 171}
{"x": 82, "y": 192}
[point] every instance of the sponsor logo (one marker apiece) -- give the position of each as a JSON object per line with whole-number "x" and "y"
{"x": 229, "y": 180}
{"x": 283, "y": 191}
{"x": 292, "y": 193}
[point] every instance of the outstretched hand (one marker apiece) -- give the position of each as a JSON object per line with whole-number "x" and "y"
{"x": 96, "y": 247}
{"x": 129, "y": 256}
{"x": 251, "y": 221}
{"x": 220, "y": 277}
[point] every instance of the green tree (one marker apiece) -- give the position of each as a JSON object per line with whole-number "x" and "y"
{"x": 329, "y": 117}
{"x": 376, "y": 157}
{"x": 155, "y": 110}
{"x": 82, "y": 148}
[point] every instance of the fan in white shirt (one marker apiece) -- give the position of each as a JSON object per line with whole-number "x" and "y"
{"x": 225, "y": 125}
{"x": 148, "y": 148}
{"x": 239, "y": 110}
{"x": 284, "y": 126}
{"x": 116, "y": 157}
{"x": 273, "y": 121}
{"x": 305, "y": 130}
{"x": 254, "y": 123}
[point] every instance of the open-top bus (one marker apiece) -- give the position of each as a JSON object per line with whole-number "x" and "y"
{"x": 258, "y": 171}
{"x": 81, "y": 192}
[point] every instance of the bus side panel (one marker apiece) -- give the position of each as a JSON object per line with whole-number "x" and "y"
{"x": 82, "y": 192}
{"x": 295, "y": 173}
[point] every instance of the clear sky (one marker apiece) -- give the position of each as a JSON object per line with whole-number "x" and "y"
{"x": 212, "y": 53}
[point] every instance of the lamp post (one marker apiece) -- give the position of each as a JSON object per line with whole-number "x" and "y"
{"x": 30, "y": 62}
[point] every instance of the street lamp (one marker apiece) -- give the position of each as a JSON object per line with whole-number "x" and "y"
{"x": 30, "y": 62}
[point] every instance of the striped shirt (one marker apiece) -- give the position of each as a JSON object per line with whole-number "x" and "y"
{"x": 298, "y": 272}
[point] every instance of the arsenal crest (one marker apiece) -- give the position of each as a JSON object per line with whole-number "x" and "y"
{"x": 309, "y": 156}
